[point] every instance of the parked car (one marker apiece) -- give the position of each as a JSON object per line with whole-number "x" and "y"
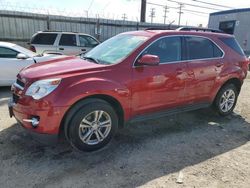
{"x": 67, "y": 43}
{"x": 133, "y": 76}
{"x": 13, "y": 58}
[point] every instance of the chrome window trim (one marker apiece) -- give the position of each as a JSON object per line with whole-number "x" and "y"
{"x": 172, "y": 62}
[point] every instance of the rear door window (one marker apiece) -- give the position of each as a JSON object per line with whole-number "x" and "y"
{"x": 7, "y": 53}
{"x": 44, "y": 38}
{"x": 68, "y": 40}
{"x": 201, "y": 48}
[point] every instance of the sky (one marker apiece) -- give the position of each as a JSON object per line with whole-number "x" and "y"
{"x": 115, "y": 9}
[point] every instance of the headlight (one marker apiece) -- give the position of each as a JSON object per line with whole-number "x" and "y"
{"x": 42, "y": 88}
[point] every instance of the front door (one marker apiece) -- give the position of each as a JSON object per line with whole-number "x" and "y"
{"x": 160, "y": 87}
{"x": 86, "y": 43}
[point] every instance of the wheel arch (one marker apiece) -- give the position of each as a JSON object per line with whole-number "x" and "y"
{"x": 63, "y": 129}
{"x": 236, "y": 81}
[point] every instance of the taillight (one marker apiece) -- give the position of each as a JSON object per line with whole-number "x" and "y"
{"x": 248, "y": 63}
{"x": 32, "y": 48}
{"x": 245, "y": 64}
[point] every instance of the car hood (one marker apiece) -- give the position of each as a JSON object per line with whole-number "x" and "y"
{"x": 58, "y": 66}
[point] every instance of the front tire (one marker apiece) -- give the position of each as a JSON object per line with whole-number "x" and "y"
{"x": 92, "y": 126}
{"x": 226, "y": 99}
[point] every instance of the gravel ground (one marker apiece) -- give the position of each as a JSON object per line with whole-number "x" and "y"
{"x": 194, "y": 149}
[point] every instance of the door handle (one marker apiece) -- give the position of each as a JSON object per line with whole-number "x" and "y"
{"x": 61, "y": 48}
{"x": 219, "y": 64}
{"x": 83, "y": 50}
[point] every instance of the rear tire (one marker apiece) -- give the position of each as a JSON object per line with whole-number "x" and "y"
{"x": 226, "y": 100}
{"x": 92, "y": 126}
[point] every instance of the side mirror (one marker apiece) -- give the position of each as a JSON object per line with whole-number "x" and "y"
{"x": 148, "y": 59}
{"x": 21, "y": 56}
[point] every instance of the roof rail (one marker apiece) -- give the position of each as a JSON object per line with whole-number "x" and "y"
{"x": 159, "y": 28}
{"x": 59, "y": 31}
{"x": 199, "y": 29}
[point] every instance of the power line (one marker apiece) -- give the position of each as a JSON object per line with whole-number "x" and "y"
{"x": 213, "y": 4}
{"x": 106, "y": 5}
{"x": 199, "y": 12}
{"x": 199, "y": 6}
{"x": 91, "y": 4}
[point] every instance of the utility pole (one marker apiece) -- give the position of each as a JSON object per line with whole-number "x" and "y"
{"x": 165, "y": 13}
{"x": 124, "y": 17}
{"x": 143, "y": 10}
{"x": 180, "y": 7}
{"x": 152, "y": 14}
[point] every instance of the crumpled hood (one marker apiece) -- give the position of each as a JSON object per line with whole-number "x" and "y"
{"x": 58, "y": 66}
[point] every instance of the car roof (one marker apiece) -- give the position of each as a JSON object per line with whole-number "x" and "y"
{"x": 64, "y": 32}
{"x": 154, "y": 33}
{"x": 7, "y": 44}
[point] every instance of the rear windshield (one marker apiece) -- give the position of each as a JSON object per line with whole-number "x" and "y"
{"x": 44, "y": 38}
{"x": 233, "y": 44}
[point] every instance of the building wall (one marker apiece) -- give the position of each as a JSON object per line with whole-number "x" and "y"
{"x": 242, "y": 27}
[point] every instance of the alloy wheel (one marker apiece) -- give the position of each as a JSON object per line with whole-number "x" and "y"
{"x": 95, "y": 127}
{"x": 227, "y": 100}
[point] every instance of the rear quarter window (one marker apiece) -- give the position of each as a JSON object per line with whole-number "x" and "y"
{"x": 44, "y": 38}
{"x": 233, "y": 44}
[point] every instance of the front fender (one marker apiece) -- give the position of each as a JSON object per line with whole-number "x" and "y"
{"x": 69, "y": 94}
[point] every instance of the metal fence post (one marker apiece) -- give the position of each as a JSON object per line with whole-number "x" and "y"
{"x": 48, "y": 22}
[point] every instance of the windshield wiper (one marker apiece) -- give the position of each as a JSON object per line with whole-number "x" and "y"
{"x": 92, "y": 59}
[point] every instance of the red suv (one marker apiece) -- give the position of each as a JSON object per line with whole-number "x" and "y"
{"x": 133, "y": 76}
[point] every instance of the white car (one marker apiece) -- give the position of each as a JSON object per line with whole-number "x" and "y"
{"x": 67, "y": 43}
{"x": 13, "y": 58}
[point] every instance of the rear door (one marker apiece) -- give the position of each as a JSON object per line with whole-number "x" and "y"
{"x": 204, "y": 64}
{"x": 10, "y": 65}
{"x": 68, "y": 44}
{"x": 160, "y": 87}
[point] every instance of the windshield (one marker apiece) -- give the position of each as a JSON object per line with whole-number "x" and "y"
{"x": 25, "y": 51}
{"x": 114, "y": 50}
